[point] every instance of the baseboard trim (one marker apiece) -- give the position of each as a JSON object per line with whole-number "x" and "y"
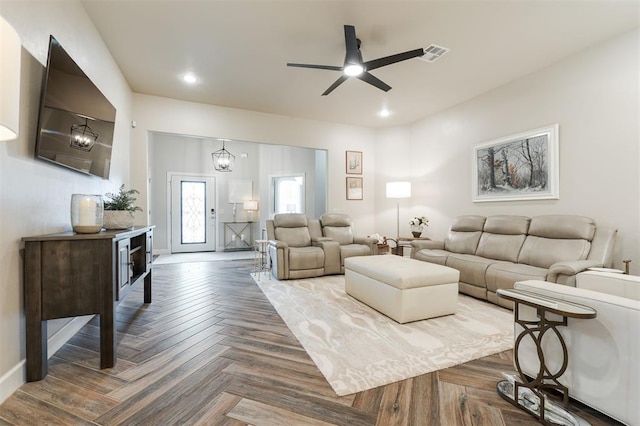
{"x": 17, "y": 376}
{"x": 63, "y": 335}
{"x": 12, "y": 380}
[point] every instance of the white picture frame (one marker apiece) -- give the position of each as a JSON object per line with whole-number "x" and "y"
{"x": 240, "y": 191}
{"x": 355, "y": 188}
{"x": 525, "y": 167}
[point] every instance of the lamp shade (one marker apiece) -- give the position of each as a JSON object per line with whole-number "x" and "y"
{"x": 250, "y": 205}
{"x": 10, "y": 50}
{"x": 398, "y": 189}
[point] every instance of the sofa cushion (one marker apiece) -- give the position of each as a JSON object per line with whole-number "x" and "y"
{"x": 507, "y": 224}
{"x": 294, "y": 237}
{"x": 462, "y": 242}
{"x": 472, "y": 268}
{"x": 289, "y": 220}
{"x": 468, "y": 223}
{"x": 544, "y": 252}
{"x": 563, "y": 227}
{"x": 464, "y": 234}
{"x": 350, "y": 250}
{"x": 505, "y": 274}
{"x": 500, "y": 247}
{"x": 341, "y": 234}
{"x": 335, "y": 219}
{"x": 306, "y": 258}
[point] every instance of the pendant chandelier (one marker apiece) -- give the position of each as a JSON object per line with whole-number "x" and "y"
{"x": 223, "y": 160}
{"x": 83, "y": 137}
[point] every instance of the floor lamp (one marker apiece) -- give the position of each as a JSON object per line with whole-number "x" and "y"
{"x": 398, "y": 190}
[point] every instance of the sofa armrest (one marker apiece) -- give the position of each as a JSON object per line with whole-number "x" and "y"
{"x": 427, "y": 244}
{"x": 278, "y": 244}
{"x": 315, "y": 241}
{"x": 365, "y": 240}
{"x": 331, "y": 251}
{"x": 368, "y": 241}
{"x": 616, "y": 284}
{"x": 278, "y": 255}
{"x": 564, "y": 272}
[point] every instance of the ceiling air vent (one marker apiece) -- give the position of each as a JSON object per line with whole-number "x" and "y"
{"x": 433, "y": 52}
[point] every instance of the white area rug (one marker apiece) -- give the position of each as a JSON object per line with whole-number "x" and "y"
{"x": 357, "y": 348}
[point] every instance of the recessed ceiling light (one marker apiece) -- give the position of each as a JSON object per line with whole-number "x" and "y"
{"x": 384, "y": 112}
{"x": 190, "y": 78}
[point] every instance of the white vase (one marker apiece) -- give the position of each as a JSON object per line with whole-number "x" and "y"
{"x": 118, "y": 219}
{"x": 416, "y": 231}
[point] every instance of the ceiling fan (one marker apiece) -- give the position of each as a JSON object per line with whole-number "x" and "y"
{"x": 355, "y": 67}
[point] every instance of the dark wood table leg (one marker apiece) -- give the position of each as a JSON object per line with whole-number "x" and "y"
{"x": 108, "y": 310}
{"x": 147, "y": 287}
{"x": 36, "y": 328}
{"x": 107, "y": 339}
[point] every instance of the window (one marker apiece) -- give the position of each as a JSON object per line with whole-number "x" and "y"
{"x": 288, "y": 193}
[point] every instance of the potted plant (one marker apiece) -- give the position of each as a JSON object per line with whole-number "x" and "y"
{"x": 416, "y": 225}
{"x": 119, "y": 209}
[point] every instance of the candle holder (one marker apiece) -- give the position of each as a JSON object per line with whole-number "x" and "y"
{"x": 87, "y": 211}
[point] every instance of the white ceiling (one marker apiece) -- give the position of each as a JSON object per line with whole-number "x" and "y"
{"x": 239, "y": 49}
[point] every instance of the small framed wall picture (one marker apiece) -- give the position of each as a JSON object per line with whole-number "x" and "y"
{"x": 354, "y": 162}
{"x": 354, "y": 188}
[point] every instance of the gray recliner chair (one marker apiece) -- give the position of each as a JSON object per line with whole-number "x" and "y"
{"x": 338, "y": 227}
{"x": 294, "y": 253}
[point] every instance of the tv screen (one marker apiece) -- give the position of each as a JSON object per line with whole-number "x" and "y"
{"x": 76, "y": 121}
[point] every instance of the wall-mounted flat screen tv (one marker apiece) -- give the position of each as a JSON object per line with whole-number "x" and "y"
{"x": 76, "y": 122}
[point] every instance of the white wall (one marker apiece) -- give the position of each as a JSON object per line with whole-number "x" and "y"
{"x": 155, "y": 114}
{"x": 393, "y": 164}
{"x": 35, "y": 195}
{"x": 594, "y": 96}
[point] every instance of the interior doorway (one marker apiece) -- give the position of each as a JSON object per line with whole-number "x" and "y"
{"x": 192, "y": 213}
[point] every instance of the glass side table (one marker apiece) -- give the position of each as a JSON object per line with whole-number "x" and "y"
{"x": 261, "y": 259}
{"x": 516, "y": 392}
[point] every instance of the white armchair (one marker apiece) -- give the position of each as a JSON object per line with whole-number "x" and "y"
{"x": 604, "y": 353}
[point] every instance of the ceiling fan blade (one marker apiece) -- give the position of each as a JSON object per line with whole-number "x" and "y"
{"x": 319, "y": 67}
{"x": 374, "y": 81}
{"x": 351, "y": 44}
{"x": 388, "y": 60}
{"x": 337, "y": 83}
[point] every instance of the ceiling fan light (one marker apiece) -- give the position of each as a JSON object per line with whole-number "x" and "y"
{"x": 353, "y": 70}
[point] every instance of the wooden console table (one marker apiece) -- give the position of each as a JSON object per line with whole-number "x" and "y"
{"x": 69, "y": 274}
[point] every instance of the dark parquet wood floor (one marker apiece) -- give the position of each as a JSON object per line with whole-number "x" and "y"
{"x": 211, "y": 350}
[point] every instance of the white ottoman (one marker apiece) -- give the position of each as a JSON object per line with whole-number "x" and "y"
{"x": 403, "y": 289}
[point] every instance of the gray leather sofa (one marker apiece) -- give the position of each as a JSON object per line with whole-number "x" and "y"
{"x": 294, "y": 253}
{"x": 496, "y": 251}
{"x": 304, "y": 248}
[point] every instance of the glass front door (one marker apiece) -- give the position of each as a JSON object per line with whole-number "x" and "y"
{"x": 192, "y": 214}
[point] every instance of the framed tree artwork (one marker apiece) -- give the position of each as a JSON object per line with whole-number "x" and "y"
{"x": 354, "y": 162}
{"x": 523, "y": 166}
{"x": 354, "y": 188}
